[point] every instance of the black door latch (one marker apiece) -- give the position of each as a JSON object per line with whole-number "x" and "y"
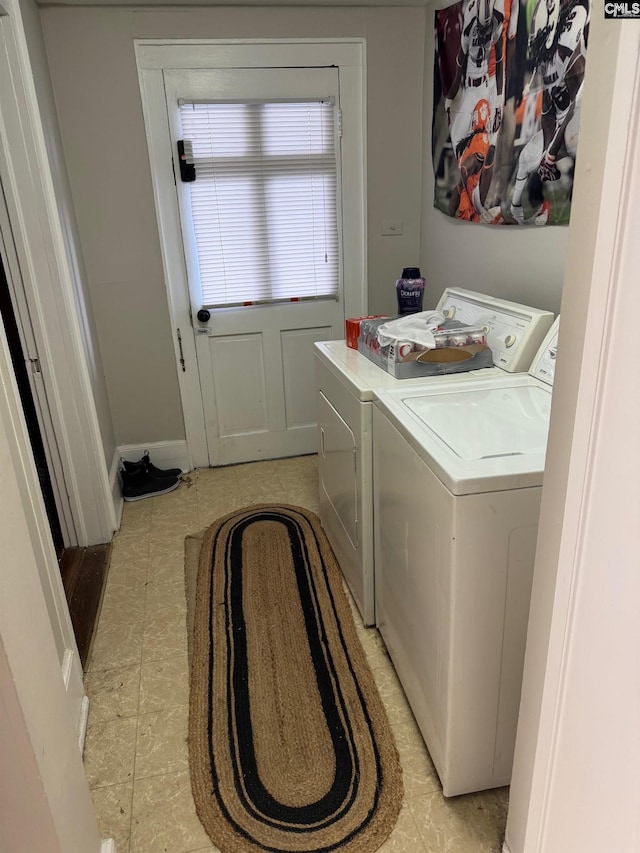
{"x": 185, "y": 157}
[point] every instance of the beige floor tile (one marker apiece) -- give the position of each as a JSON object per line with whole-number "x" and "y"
{"x": 119, "y": 634}
{"x": 418, "y": 773}
{"x": 491, "y": 818}
{"x": 213, "y": 506}
{"x": 161, "y": 746}
{"x": 297, "y": 474}
{"x": 307, "y": 464}
{"x": 135, "y": 515}
{"x": 179, "y": 497}
{"x": 216, "y": 480}
{"x": 500, "y": 798}
{"x": 166, "y": 599}
{"x": 167, "y": 561}
{"x": 168, "y": 566}
{"x": 113, "y": 811}
{"x": 163, "y": 684}
{"x": 456, "y": 824}
{"x": 109, "y": 752}
{"x": 128, "y": 573}
{"x": 265, "y": 470}
{"x": 373, "y": 646}
{"x": 117, "y": 643}
{"x": 278, "y": 495}
{"x": 405, "y": 836}
{"x": 164, "y": 639}
{"x": 357, "y": 616}
{"x": 113, "y": 693}
{"x": 262, "y": 493}
{"x": 164, "y": 816}
{"x": 123, "y": 604}
{"x": 305, "y": 497}
{"x": 167, "y": 538}
{"x": 392, "y": 694}
{"x": 170, "y": 519}
{"x": 171, "y": 524}
{"x": 132, "y": 545}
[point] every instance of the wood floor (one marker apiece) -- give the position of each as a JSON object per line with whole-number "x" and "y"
{"x": 84, "y": 576}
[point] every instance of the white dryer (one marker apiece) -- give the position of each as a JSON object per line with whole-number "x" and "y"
{"x": 346, "y": 382}
{"x": 458, "y": 474}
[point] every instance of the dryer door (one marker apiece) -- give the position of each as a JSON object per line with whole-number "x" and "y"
{"x": 338, "y": 468}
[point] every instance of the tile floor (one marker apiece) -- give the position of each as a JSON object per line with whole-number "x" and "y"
{"x": 136, "y": 751}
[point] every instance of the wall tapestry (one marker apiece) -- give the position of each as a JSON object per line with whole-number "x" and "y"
{"x": 507, "y": 92}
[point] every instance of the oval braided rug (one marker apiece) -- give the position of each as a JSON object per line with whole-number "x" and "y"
{"x": 289, "y": 745}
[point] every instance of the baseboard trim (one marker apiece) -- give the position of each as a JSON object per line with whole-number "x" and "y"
{"x": 164, "y": 454}
{"x": 506, "y": 848}
{"x": 116, "y": 488}
{"x": 108, "y": 846}
{"x": 82, "y": 726}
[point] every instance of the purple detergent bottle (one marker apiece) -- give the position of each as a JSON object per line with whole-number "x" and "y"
{"x": 410, "y": 290}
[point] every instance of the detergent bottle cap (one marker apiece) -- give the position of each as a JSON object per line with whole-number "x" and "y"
{"x": 411, "y": 272}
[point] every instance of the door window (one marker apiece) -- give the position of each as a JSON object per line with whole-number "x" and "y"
{"x": 263, "y": 202}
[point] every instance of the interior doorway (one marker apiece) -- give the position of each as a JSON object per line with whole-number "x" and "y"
{"x": 21, "y": 366}
{"x": 83, "y": 570}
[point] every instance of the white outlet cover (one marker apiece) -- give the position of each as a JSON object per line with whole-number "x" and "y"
{"x": 391, "y": 227}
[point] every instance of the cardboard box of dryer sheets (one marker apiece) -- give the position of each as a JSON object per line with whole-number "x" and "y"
{"x": 458, "y": 348}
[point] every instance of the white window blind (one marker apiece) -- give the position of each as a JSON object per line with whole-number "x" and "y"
{"x": 264, "y": 200}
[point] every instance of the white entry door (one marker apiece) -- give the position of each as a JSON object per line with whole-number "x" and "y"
{"x": 255, "y": 361}
{"x": 246, "y": 377}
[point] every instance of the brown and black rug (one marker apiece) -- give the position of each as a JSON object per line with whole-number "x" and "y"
{"x": 290, "y": 748}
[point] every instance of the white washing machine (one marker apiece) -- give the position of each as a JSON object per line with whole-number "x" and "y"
{"x": 458, "y": 474}
{"x": 346, "y": 381}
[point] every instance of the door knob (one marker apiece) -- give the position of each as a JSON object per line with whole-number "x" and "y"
{"x": 204, "y": 315}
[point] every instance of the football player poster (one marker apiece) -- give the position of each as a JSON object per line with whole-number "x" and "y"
{"x": 508, "y": 83}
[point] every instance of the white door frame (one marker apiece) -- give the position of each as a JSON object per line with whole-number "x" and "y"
{"x": 43, "y": 706}
{"x": 153, "y": 57}
{"x": 43, "y": 709}
{"x": 37, "y": 384}
{"x": 576, "y": 778}
{"x": 24, "y": 170}
{"x": 50, "y": 289}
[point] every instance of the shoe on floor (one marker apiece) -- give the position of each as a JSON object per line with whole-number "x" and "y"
{"x": 147, "y": 465}
{"x": 138, "y": 484}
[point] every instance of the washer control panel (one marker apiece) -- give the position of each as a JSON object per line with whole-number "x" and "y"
{"x": 544, "y": 364}
{"x": 514, "y": 331}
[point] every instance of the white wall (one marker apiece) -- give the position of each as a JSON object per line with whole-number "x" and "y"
{"x": 524, "y": 265}
{"x": 97, "y": 94}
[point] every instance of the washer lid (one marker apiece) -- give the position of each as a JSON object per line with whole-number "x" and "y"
{"x": 487, "y": 424}
{"x": 478, "y": 437}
